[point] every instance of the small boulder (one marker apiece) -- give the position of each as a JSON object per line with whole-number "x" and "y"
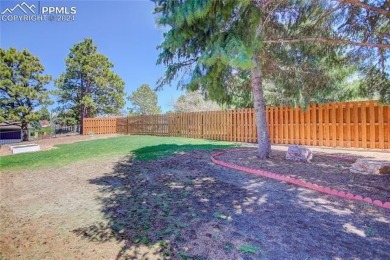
{"x": 364, "y": 166}
{"x": 299, "y": 153}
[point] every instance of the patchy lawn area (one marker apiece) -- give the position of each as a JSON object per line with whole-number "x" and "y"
{"x": 146, "y": 147}
{"x": 175, "y": 203}
{"x": 51, "y": 143}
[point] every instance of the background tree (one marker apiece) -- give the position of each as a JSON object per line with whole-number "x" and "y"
{"x": 44, "y": 114}
{"x": 65, "y": 117}
{"x": 356, "y": 31}
{"x": 194, "y": 102}
{"x": 290, "y": 43}
{"x": 89, "y": 87}
{"x": 144, "y": 101}
{"x": 22, "y": 88}
{"x": 376, "y": 85}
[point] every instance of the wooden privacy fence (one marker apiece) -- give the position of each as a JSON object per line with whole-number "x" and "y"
{"x": 363, "y": 124}
{"x": 99, "y": 126}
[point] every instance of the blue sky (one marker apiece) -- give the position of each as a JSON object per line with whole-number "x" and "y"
{"x": 124, "y": 31}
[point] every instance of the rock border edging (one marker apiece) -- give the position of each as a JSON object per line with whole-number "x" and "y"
{"x": 297, "y": 182}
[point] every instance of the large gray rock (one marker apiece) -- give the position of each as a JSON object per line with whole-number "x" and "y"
{"x": 299, "y": 153}
{"x": 365, "y": 166}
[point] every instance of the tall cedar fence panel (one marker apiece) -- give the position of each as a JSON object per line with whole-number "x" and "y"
{"x": 362, "y": 124}
{"x": 99, "y": 126}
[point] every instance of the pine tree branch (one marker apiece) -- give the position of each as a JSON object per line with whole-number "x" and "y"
{"x": 330, "y": 41}
{"x": 266, "y": 3}
{"x": 366, "y": 6}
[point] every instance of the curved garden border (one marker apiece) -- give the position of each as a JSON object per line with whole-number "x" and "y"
{"x": 298, "y": 182}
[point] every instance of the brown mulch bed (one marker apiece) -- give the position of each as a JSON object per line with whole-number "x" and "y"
{"x": 322, "y": 170}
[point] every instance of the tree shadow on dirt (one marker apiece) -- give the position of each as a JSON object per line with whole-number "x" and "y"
{"x": 325, "y": 169}
{"x": 185, "y": 207}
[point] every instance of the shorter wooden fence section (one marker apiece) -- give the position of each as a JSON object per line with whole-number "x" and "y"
{"x": 103, "y": 125}
{"x": 363, "y": 124}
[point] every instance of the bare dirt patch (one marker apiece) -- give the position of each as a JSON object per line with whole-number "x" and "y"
{"x": 49, "y": 143}
{"x": 179, "y": 207}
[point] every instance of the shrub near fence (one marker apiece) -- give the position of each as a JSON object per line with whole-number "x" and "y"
{"x": 363, "y": 124}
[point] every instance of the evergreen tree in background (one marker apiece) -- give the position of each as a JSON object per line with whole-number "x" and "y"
{"x": 22, "y": 88}
{"x": 144, "y": 101}
{"x": 65, "y": 117}
{"x": 194, "y": 102}
{"x": 44, "y": 114}
{"x": 89, "y": 87}
{"x": 298, "y": 46}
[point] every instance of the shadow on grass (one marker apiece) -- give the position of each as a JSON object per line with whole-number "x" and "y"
{"x": 162, "y": 150}
{"x": 185, "y": 207}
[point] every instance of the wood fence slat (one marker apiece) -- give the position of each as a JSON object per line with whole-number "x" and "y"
{"x": 372, "y": 135}
{"x": 281, "y": 123}
{"x": 291, "y": 126}
{"x": 314, "y": 125}
{"x": 245, "y": 123}
{"x": 241, "y": 125}
{"x": 248, "y": 125}
{"x": 219, "y": 127}
{"x": 296, "y": 126}
{"x": 285, "y": 139}
{"x": 276, "y": 114}
{"x": 320, "y": 125}
{"x": 308, "y": 126}
{"x": 341, "y": 124}
{"x": 387, "y": 127}
{"x": 355, "y": 125}
{"x": 241, "y": 120}
{"x": 326, "y": 125}
{"x": 364, "y": 124}
{"x": 231, "y": 125}
{"x": 271, "y": 123}
{"x": 348, "y": 123}
{"x": 302, "y": 127}
{"x": 235, "y": 128}
{"x": 199, "y": 124}
{"x": 214, "y": 126}
{"x": 333, "y": 125}
{"x": 381, "y": 136}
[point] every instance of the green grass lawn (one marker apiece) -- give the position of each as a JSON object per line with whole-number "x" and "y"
{"x": 143, "y": 147}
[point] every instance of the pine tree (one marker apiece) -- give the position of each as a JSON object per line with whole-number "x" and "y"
{"x": 275, "y": 40}
{"x": 194, "y": 102}
{"x": 89, "y": 87}
{"x": 144, "y": 101}
{"x": 22, "y": 88}
{"x": 44, "y": 114}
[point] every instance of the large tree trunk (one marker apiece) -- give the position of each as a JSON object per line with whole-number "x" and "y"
{"x": 82, "y": 116}
{"x": 260, "y": 109}
{"x": 25, "y": 131}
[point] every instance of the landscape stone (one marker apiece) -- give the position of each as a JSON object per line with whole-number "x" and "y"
{"x": 299, "y": 153}
{"x": 365, "y": 166}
